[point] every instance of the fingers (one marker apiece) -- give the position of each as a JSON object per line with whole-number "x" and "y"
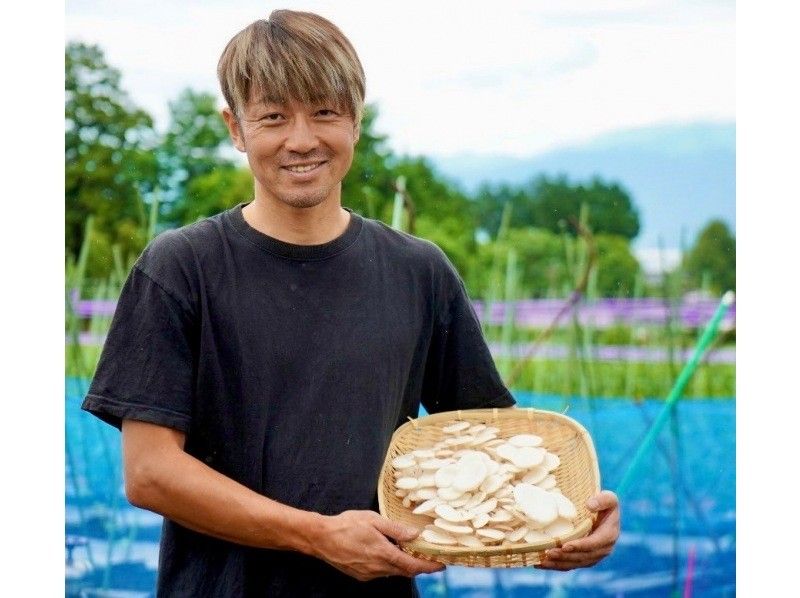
{"x": 394, "y": 529}
{"x": 572, "y": 560}
{"x": 408, "y": 566}
{"x": 563, "y": 565}
{"x": 401, "y": 562}
{"x": 604, "y": 535}
{"x": 602, "y": 501}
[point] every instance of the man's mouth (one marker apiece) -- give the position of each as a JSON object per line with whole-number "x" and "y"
{"x": 302, "y": 168}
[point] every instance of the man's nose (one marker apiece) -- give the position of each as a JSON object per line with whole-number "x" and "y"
{"x": 301, "y": 137}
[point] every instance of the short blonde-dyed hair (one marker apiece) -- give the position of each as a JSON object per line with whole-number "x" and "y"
{"x": 292, "y": 56}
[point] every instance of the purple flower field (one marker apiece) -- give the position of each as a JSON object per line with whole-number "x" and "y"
{"x": 692, "y": 312}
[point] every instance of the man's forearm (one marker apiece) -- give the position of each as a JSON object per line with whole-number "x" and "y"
{"x": 187, "y": 491}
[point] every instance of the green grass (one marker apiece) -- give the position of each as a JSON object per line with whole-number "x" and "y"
{"x": 609, "y": 379}
{"x": 553, "y": 376}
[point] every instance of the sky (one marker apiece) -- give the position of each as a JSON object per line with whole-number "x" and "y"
{"x": 509, "y": 77}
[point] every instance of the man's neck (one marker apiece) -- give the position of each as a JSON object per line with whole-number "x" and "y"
{"x": 298, "y": 226}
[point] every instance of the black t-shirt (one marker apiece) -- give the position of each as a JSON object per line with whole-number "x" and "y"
{"x": 288, "y": 367}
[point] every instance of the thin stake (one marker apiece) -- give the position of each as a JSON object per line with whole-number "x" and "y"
{"x": 677, "y": 390}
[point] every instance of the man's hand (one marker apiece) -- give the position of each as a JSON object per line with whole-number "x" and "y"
{"x": 597, "y": 545}
{"x": 355, "y": 542}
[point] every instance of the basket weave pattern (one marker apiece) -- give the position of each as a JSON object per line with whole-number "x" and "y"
{"x": 577, "y": 476}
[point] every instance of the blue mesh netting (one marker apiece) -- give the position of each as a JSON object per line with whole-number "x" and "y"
{"x": 682, "y": 503}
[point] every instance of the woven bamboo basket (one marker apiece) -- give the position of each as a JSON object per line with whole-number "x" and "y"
{"x": 578, "y": 478}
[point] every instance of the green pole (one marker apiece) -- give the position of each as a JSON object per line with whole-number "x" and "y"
{"x": 677, "y": 390}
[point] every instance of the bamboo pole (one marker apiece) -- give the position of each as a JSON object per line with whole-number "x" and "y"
{"x": 677, "y": 390}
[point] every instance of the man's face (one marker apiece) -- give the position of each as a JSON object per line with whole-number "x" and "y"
{"x": 298, "y": 153}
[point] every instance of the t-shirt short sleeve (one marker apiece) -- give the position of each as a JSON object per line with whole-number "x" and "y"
{"x": 460, "y": 372}
{"x": 146, "y": 368}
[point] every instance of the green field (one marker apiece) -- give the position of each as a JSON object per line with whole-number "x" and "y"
{"x": 564, "y": 377}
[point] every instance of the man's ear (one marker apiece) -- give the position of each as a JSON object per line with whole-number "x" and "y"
{"x": 356, "y": 133}
{"x": 234, "y": 128}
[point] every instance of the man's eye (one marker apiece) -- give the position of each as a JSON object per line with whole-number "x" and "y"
{"x": 326, "y": 112}
{"x": 273, "y": 117}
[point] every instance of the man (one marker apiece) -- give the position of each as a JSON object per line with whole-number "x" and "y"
{"x": 259, "y": 360}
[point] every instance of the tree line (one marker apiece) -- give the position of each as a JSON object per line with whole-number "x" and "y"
{"x": 117, "y": 165}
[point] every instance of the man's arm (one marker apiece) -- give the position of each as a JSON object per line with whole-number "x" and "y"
{"x": 161, "y": 477}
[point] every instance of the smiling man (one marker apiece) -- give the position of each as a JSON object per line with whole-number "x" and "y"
{"x": 259, "y": 360}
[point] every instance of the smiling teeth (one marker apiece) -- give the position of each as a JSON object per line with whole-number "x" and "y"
{"x": 302, "y": 168}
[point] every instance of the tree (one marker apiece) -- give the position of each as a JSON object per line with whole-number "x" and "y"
{"x": 711, "y": 261}
{"x": 542, "y": 270}
{"x": 617, "y": 267}
{"x": 191, "y": 149}
{"x": 369, "y": 185}
{"x": 611, "y": 210}
{"x": 490, "y": 201}
{"x": 109, "y": 164}
{"x": 215, "y": 192}
{"x": 547, "y": 202}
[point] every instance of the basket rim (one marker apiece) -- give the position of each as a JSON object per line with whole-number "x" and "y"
{"x": 421, "y": 547}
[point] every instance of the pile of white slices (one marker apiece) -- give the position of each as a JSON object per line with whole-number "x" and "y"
{"x": 482, "y": 490}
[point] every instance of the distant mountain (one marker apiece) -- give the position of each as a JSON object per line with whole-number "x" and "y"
{"x": 679, "y": 176}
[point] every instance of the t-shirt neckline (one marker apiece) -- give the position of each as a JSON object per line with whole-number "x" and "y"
{"x": 289, "y": 250}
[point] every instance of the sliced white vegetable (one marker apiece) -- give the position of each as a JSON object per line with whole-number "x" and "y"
{"x": 475, "y": 500}
{"x": 424, "y": 454}
{"x": 525, "y": 440}
{"x": 566, "y": 508}
{"x": 456, "y": 427}
{"x": 485, "y": 507}
{"x": 507, "y": 451}
{"x": 493, "y": 482}
{"x": 536, "y": 503}
{"x": 471, "y": 473}
{"x": 504, "y": 491}
{"x": 427, "y": 480}
{"x": 434, "y": 464}
{"x": 500, "y": 516}
{"x": 452, "y": 527}
{"x": 435, "y": 537}
{"x": 470, "y": 541}
{"x": 548, "y": 483}
{"x": 427, "y": 506}
{"x": 535, "y": 536}
{"x": 551, "y": 461}
{"x": 480, "y": 520}
{"x": 404, "y": 462}
{"x": 461, "y": 501}
{"x": 517, "y": 534}
{"x": 560, "y": 527}
{"x": 449, "y": 493}
{"x": 426, "y": 493}
{"x": 508, "y": 467}
{"x": 528, "y": 456}
{"x": 450, "y": 514}
{"x": 491, "y": 533}
{"x": 445, "y": 476}
{"x": 535, "y": 475}
{"x": 483, "y": 438}
{"x": 457, "y": 441}
{"x": 407, "y": 483}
